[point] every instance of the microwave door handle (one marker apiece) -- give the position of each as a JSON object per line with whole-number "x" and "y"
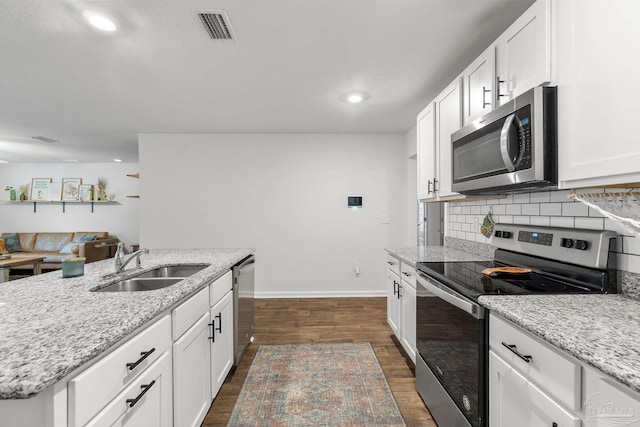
{"x": 504, "y": 143}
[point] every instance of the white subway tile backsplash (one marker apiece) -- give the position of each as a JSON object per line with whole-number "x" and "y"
{"x": 551, "y": 209}
{"x": 631, "y": 245}
{"x": 589, "y": 223}
{"x": 559, "y": 196}
{"x": 558, "y": 221}
{"x": 575, "y": 209}
{"x": 539, "y": 197}
{"x": 628, "y": 262}
{"x": 521, "y": 198}
{"x": 540, "y": 220}
{"x": 544, "y": 209}
{"x": 531, "y": 209}
{"x": 521, "y": 220}
{"x": 514, "y": 209}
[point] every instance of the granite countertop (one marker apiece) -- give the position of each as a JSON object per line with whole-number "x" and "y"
{"x": 600, "y": 330}
{"x": 52, "y": 325}
{"x": 414, "y": 254}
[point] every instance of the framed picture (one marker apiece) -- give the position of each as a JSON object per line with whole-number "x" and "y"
{"x": 40, "y": 188}
{"x": 55, "y": 191}
{"x": 86, "y": 193}
{"x": 71, "y": 188}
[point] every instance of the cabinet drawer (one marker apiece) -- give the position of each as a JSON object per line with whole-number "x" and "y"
{"x": 187, "y": 313}
{"x": 219, "y": 288}
{"x": 408, "y": 274}
{"x": 95, "y": 387}
{"x": 393, "y": 264}
{"x": 547, "y": 366}
{"x": 150, "y": 395}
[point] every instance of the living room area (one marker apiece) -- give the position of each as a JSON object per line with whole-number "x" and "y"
{"x": 46, "y": 232}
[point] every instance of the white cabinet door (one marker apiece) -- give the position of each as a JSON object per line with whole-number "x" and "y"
{"x": 515, "y": 401}
{"x": 145, "y": 403}
{"x": 607, "y": 402}
{"x": 393, "y": 301}
{"x": 598, "y": 85}
{"x": 523, "y": 54}
{"x": 478, "y": 84}
{"x": 221, "y": 317}
{"x": 426, "y": 130}
{"x": 192, "y": 374}
{"x": 448, "y": 120}
{"x": 408, "y": 328}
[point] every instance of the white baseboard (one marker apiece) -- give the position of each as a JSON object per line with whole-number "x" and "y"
{"x": 321, "y": 294}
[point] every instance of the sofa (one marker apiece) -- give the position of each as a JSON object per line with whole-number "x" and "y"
{"x": 56, "y": 246}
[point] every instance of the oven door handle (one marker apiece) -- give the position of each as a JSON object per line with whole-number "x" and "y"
{"x": 456, "y": 301}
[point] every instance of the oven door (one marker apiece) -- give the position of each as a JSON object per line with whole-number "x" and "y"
{"x": 451, "y": 369}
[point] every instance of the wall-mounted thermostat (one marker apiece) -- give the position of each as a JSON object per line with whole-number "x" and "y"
{"x": 354, "y": 201}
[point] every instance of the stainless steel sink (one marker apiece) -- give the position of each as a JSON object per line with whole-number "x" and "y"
{"x": 140, "y": 284}
{"x": 174, "y": 271}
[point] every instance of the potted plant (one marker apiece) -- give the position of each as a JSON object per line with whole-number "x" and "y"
{"x": 12, "y": 192}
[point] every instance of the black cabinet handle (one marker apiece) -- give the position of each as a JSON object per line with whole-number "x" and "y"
{"x": 435, "y": 181}
{"x": 554, "y": 424}
{"x": 219, "y": 328}
{"x": 406, "y": 274}
{"x": 513, "y": 349}
{"x": 144, "y": 355}
{"x": 145, "y": 388}
{"x": 395, "y": 289}
{"x": 429, "y": 187}
{"x": 484, "y": 93}
{"x": 399, "y": 287}
{"x": 213, "y": 332}
{"x": 391, "y": 263}
{"x": 498, "y": 94}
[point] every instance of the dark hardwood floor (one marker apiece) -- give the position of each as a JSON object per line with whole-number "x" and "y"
{"x": 306, "y": 320}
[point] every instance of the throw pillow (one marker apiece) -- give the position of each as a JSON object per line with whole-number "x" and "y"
{"x": 3, "y": 247}
{"x": 87, "y": 238}
{"x": 12, "y": 242}
{"x": 70, "y": 248}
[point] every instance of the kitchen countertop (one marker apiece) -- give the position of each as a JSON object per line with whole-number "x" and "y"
{"x": 414, "y": 254}
{"x": 53, "y": 325}
{"x": 600, "y": 330}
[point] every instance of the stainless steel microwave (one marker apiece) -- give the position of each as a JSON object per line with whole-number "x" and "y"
{"x": 511, "y": 149}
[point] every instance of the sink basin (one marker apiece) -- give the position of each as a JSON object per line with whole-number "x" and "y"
{"x": 140, "y": 284}
{"x": 174, "y": 271}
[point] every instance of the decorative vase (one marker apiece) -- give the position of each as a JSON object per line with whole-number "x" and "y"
{"x": 23, "y": 197}
{"x": 12, "y": 194}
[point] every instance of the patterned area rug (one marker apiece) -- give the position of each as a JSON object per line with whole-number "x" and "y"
{"x": 316, "y": 385}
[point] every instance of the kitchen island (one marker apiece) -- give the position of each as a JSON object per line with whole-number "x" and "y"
{"x": 53, "y": 327}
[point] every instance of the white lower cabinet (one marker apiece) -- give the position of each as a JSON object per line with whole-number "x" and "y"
{"x": 221, "y": 341}
{"x": 516, "y": 401}
{"x": 401, "y": 304}
{"x": 191, "y": 373}
{"x": 144, "y": 403}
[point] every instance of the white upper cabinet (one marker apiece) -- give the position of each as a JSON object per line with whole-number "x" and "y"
{"x": 426, "y": 130}
{"x": 598, "y": 76}
{"x": 448, "y": 120}
{"x": 523, "y": 53}
{"x": 479, "y": 86}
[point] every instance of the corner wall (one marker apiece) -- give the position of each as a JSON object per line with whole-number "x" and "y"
{"x": 119, "y": 219}
{"x": 285, "y": 195}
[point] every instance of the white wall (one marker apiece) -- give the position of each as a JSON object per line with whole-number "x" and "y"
{"x": 285, "y": 195}
{"x": 120, "y": 219}
{"x": 411, "y": 147}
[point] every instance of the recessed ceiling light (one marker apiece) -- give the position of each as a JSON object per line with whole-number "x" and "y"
{"x": 117, "y": 160}
{"x": 101, "y": 22}
{"x": 354, "y": 98}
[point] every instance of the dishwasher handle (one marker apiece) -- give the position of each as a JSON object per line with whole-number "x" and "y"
{"x": 444, "y": 293}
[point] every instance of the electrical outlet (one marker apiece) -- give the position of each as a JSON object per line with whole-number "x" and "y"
{"x": 384, "y": 219}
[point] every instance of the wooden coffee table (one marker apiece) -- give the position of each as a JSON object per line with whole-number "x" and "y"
{"x": 6, "y": 264}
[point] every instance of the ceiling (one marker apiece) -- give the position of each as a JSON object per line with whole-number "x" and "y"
{"x": 288, "y": 70}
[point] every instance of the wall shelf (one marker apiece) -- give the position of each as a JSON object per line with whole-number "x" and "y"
{"x": 63, "y": 203}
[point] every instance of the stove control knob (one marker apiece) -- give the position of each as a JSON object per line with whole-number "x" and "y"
{"x": 582, "y": 245}
{"x": 566, "y": 243}
{"x": 506, "y": 234}
{"x": 498, "y": 233}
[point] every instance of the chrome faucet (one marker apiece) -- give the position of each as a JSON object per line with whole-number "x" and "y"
{"x": 121, "y": 262}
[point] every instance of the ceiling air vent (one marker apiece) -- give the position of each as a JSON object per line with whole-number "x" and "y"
{"x": 217, "y": 25}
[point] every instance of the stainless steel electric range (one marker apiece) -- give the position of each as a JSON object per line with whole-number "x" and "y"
{"x": 452, "y": 327}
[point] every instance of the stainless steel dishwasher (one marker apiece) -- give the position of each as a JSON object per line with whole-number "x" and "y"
{"x": 243, "y": 295}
